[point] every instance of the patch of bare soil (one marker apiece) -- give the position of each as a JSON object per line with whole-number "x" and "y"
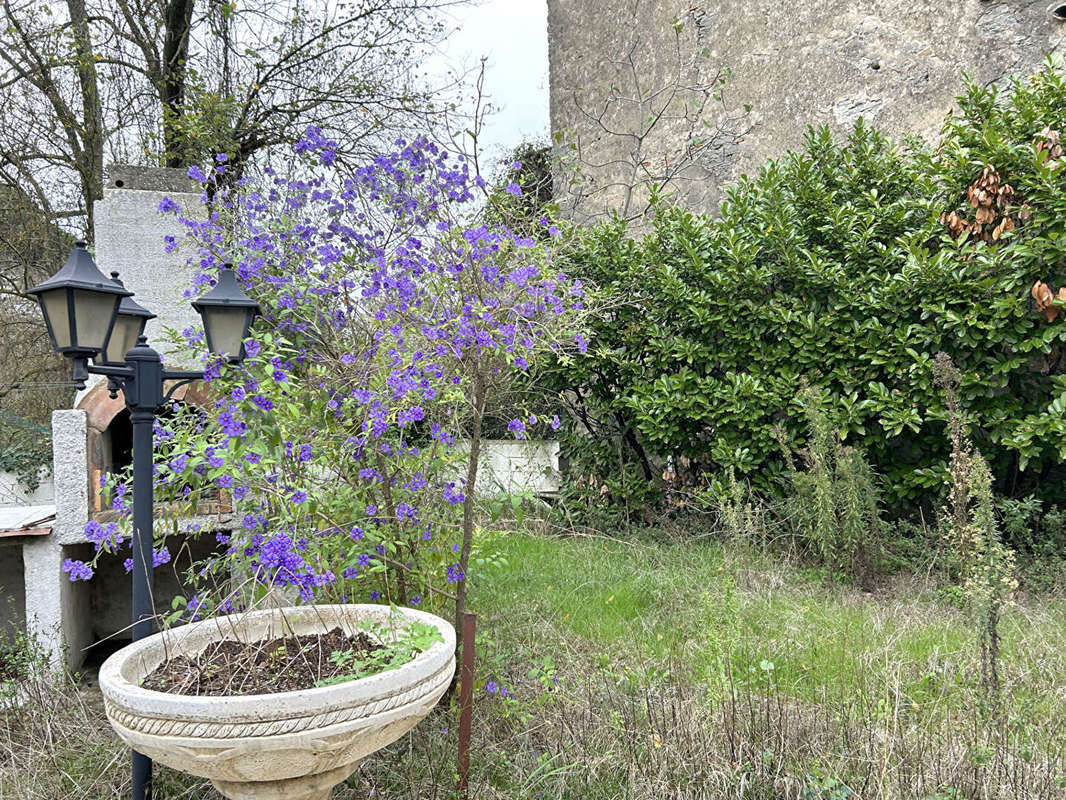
{"x": 267, "y": 666}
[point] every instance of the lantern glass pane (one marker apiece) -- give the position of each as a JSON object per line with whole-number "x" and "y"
{"x": 93, "y": 312}
{"x": 225, "y": 329}
{"x": 123, "y": 337}
{"x": 54, "y": 306}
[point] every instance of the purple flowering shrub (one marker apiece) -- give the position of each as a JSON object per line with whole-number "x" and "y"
{"x": 391, "y": 314}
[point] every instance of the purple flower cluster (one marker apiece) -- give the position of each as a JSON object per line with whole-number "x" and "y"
{"x": 492, "y": 687}
{"x": 384, "y": 301}
{"x": 77, "y": 570}
{"x": 104, "y": 537}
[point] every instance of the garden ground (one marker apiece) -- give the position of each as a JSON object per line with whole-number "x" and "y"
{"x": 658, "y": 667}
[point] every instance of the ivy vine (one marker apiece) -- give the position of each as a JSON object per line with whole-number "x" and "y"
{"x": 25, "y": 450}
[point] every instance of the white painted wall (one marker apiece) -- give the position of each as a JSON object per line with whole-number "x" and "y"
{"x": 516, "y": 466}
{"x": 129, "y": 238}
{"x": 14, "y": 493}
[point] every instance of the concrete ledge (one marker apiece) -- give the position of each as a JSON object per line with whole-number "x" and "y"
{"x": 152, "y": 179}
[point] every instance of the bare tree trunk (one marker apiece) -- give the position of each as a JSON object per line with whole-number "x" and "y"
{"x": 172, "y": 90}
{"x": 91, "y": 163}
{"x": 468, "y": 496}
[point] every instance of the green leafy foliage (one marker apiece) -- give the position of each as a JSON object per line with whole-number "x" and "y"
{"x": 25, "y": 450}
{"x": 529, "y": 167}
{"x": 1036, "y": 532}
{"x": 399, "y": 647}
{"x": 835, "y": 265}
{"x": 825, "y": 787}
{"x": 21, "y": 657}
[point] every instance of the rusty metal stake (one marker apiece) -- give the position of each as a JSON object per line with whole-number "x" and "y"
{"x": 466, "y": 699}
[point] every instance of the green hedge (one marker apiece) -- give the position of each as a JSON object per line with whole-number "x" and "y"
{"x": 836, "y": 263}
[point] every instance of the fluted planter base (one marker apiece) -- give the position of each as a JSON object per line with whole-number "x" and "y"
{"x": 311, "y": 787}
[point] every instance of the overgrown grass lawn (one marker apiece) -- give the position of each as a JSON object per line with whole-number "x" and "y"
{"x": 712, "y": 611}
{"x": 660, "y": 668}
{"x": 898, "y": 665}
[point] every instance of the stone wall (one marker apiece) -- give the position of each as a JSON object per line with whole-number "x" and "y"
{"x": 896, "y": 63}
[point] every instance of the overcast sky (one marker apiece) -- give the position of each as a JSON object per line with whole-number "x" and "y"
{"x": 513, "y": 35}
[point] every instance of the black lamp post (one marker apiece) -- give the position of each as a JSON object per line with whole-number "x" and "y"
{"x": 92, "y": 317}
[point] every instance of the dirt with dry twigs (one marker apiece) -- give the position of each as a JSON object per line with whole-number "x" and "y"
{"x": 267, "y": 666}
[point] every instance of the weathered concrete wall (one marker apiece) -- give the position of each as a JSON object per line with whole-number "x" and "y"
{"x": 897, "y": 63}
{"x": 70, "y": 470}
{"x": 57, "y": 611}
{"x": 129, "y": 239}
{"x": 111, "y": 589}
{"x": 68, "y": 617}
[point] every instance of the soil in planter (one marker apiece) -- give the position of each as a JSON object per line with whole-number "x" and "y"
{"x": 229, "y": 667}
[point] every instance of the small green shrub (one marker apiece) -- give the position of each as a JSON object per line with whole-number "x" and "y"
{"x": 1034, "y": 529}
{"x": 400, "y": 646}
{"x": 825, "y": 787}
{"x": 606, "y": 487}
{"x": 834, "y": 502}
{"x": 21, "y": 658}
{"x": 733, "y": 503}
{"x": 742, "y": 515}
{"x": 1036, "y": 532}
{"x": 950, "y": 793}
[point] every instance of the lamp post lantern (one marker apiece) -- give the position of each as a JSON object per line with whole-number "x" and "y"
{"x": 90, "y": 316}
{"x": 227, "y": 313}
{"x": 130, "y": 320}
{"x": 79, "y": 304}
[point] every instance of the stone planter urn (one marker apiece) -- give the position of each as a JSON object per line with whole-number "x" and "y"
{"x": 286, "y": 746}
